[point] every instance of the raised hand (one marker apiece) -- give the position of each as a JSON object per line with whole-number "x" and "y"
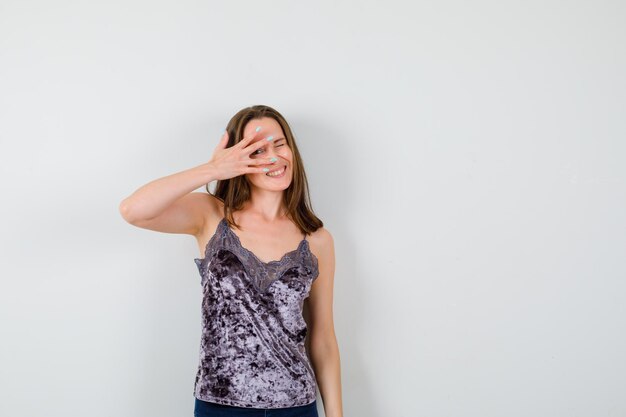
{"x": 234, "y": 161}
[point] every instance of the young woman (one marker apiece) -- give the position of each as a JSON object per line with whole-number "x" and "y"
{"x": 266, "y": 262}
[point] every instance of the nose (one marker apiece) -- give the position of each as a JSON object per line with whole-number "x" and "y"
{"x": 271, "y": 153}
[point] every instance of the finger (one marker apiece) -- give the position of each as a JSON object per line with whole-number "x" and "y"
{"x": 258, "y": 161}
{"x": 246, "y": 140}
{"x": 258, "y": 144}
{"x": 262, "y": 161}
{"x": 255, "y": 170}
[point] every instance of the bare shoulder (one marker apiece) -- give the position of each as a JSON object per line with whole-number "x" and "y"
{"x": 213, "y": 209}
{"x": 214, "y": 204}
{"x": 322, "y": 244}
{"x": 321, "y": 236}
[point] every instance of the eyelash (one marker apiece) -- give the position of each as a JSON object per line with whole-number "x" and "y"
{"x": 256, "y": 152}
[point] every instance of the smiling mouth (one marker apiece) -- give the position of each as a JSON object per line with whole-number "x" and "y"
{"x": 277, "y": 172}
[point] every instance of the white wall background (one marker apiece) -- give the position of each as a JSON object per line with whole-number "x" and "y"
{"x": 468, "y": 158}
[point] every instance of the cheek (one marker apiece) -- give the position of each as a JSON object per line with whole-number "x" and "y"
{"x": 285, "y": 152}
{"x": 253, "y": 178}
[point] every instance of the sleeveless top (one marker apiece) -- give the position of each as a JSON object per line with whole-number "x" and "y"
{"x": 252, "y": 351}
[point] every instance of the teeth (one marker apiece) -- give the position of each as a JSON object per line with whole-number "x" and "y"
{"x": 275, "y": 173}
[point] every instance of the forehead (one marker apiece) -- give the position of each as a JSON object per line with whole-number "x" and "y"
{"x": 268, "y": 126}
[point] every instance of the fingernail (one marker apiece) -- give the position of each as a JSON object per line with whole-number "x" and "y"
{"x": 258, "y": 128}
{"x": 269, "y": 138}
{"x": 274, "y": 159}
{"x": 265, "y": 169}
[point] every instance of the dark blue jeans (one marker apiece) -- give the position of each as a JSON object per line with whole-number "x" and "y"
{"x": 208, "y": 409}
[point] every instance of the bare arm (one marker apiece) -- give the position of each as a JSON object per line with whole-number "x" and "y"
{"x": 167, "y": 204}
{"x": 323, "y": 342}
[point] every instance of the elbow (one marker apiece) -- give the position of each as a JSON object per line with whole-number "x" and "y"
{"x": 325, "y": 342}
{"x": 126, "y": 212}
{"x": 321, "y": 352}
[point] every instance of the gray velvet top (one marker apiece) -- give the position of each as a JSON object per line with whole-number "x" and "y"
{"x": 252, "y": 350}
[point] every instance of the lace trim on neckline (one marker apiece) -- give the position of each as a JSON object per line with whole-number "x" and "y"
{"x": 234, "y": 244}
{"x": 287, "y": 255}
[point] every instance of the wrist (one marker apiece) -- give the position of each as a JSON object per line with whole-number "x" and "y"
{"x": 206, "y": 172}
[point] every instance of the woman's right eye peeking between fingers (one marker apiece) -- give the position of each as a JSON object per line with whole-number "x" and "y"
{"x": 260, "y": 149}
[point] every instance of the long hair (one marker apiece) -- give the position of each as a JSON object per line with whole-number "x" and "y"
{"x": 234, "y": 192}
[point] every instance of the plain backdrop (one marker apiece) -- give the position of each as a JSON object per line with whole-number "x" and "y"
{"x": 467, "y": 157}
